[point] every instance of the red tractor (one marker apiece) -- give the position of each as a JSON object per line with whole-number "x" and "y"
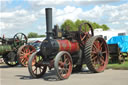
{"x": 66, "y": 50}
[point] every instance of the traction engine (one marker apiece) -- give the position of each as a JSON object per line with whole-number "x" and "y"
{"x": 66, "y": 51}
{"x": 10, "y": 46}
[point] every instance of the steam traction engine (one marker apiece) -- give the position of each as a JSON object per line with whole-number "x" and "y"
{"x": 66, "y": 50}
{"x": 9, "y": 47}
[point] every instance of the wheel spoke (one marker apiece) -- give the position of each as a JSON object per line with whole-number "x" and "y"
{"x": 32, "y": 51}
{"x": 94, "y": 58}
{"x": 102, "y": 61}
{"x": 83, "y": 37}
{"x": 94, "y": 52}
{"x": 102, "y": 57}
{"x": 21, "y": 37}
{"x": 61, "y": 71}
{"x": 95, "y": 62}
{"x": 22, "y": 60}
{"x": 40, "y": 69}
{"x": 64, "y": 69}
{"x": 65, "y": 60}
{"x": 22, "y": 52}
{"x": 101, "y": 46}
{"x": 104, "y": 52}
{"x": 95, "y": 47}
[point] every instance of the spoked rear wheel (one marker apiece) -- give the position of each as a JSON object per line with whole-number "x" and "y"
{"x": 35, "y": 67}
{"x": 24, "y": 53}
{"x": 96, "y": 54}
{"x": 63, "y": 65}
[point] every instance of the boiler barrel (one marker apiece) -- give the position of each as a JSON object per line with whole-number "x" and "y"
{"x": 53, "y": 46}
{"x": 66, "y": 45}
{"x": 4, "y": 49}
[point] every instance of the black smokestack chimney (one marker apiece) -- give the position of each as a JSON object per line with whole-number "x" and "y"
{"x": 48, "y": 12}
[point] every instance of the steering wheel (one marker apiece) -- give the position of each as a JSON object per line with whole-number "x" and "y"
{"x": 19, "y": 39}
{"x": 85, "y": 34}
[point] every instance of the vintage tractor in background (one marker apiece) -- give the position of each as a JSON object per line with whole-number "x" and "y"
{"x": 25, "y": 51}
{"x": 118, "y": 49}
{"x": 9, "y": 47}
{"x": 66, "y": 50}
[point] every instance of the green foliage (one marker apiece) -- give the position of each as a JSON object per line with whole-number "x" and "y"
{"x": 105, "y": 27}
{"x": 68, "y": 24}
{"x": 34, "y": 35}
{"x": 73, "y": 26}
{"x": 118, "y": 66}
{"x": 41, "y": 35}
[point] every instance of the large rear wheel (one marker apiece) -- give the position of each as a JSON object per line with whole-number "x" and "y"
{"x": 24, "y": 53}
{"x": 96, "y": 54}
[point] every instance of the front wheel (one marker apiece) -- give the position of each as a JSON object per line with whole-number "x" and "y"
{"x": 63, "y": 65}
{"x": 10, "y": 59}
{"x": 35, "y": 67}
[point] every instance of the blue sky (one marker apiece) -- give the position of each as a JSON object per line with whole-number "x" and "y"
{"x": 29, "y": 16}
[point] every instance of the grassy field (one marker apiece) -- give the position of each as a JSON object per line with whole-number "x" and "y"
{"x": 118, "y": 66}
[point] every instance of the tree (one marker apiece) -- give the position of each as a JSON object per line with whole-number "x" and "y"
{"x": 32, "y": 35}
{"x": 73, "y": 26}
{"x": 41, "y": 35}
{"x": 68, "y": 25}
{"x": 105, "y": 27}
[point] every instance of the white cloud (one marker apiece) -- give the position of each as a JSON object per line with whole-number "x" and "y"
{"x": 74, "y": 13}
{"x": 6, "y": 15}
{"x": 124, "y": 18}
{"x": 49, "y": 3}
{"x": 104, "y": 14}
{"x": 42, "y": 11}
{"x": 115, "y": 22}
{"x": 113, "y": 16}
{"x": 95, "y": 2}
{"x": 69, "y": 12}
{"x": 5, "y": 25}
{"x": 16, "y": 19}
{"x": 13, "y": 13}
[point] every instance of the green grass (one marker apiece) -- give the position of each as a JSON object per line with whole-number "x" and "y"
{"x": 123, "y": 66}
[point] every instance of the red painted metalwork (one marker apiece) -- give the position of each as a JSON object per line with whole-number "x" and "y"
{"x": 66, "y": 45}
{"x": 23, "y": 54}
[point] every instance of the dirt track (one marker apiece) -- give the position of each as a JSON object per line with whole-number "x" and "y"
{"x": 20, "y": 76}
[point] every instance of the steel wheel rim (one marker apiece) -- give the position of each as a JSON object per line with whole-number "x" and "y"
{"x": 25, "y": 52}
{"x": 99, "y": 54}
{"x": 65, "y": 66}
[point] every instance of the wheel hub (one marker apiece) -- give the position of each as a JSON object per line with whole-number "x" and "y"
{"x": 100, "y": 54}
